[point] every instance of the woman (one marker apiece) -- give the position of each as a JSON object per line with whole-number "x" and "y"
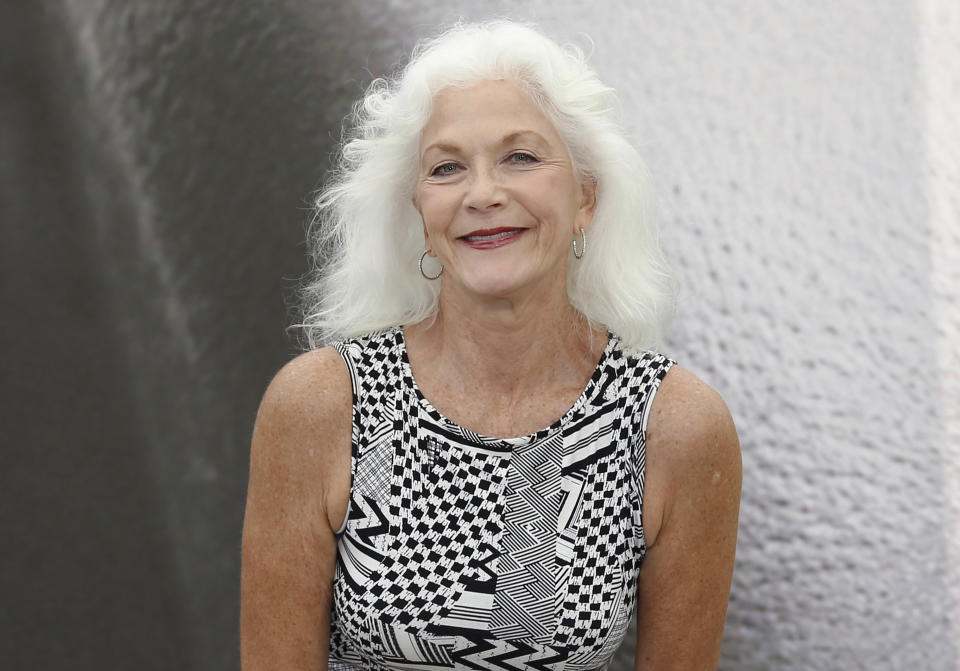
{"x": 471, "y": 472}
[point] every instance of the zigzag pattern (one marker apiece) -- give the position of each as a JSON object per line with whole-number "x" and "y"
{"x": 484, "y": 652}
{"x": 373, "y": 525}
{"x": 466, "y": 552}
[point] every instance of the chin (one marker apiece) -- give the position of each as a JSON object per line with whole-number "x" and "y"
{"x": 495, "y": 288}
{"x": 498, "y": 285}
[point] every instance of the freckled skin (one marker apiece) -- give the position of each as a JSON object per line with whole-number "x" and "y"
{"x": 690, "y": 516}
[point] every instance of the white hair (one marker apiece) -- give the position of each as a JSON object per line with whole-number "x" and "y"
{"x": 367, "y": 236}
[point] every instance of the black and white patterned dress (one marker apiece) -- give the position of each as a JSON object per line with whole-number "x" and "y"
{"x": 466, "y": 552}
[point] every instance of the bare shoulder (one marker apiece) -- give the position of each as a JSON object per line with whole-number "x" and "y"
{"x": 301, "y": 438}
{"x": 690, "y": 422}
{"x": 297, "y": 495}
{"x": 690, "y": 518}
{"x": 692, "y": 450}
{"x": 311, "y": 389}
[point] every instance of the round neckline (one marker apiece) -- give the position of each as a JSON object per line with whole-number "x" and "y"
{"x": 488, "y": 441}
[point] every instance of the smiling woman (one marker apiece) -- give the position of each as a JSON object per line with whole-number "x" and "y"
{"x": 495, "y": 175}
{"x": 487, "y": 466}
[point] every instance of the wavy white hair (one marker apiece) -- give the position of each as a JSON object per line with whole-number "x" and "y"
{"x": 367, "y": 236}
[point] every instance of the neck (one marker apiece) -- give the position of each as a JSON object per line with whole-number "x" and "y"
{"x": 510, "y": 347}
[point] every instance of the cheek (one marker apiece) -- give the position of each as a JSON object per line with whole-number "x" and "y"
{"x": 561, "y": 207}
{"x": 564, "y": 193}
{"x": 433, "y": 204}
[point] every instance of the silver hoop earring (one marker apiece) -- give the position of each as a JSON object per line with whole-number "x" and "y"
{"x": 422, "y": 256}
{"x": 583, "y": 244}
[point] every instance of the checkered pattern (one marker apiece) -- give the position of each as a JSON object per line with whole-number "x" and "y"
{"x": 467, "y": 552}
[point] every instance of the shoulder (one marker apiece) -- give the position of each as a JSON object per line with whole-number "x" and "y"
{"x": 690, "y": 416}
{"x": 299, "y": 482}
{"x": 692, "y": 447}
{"x": 690, "y": 521}
{"x": 311, "y": 389}
{"x": 301, "y": 438}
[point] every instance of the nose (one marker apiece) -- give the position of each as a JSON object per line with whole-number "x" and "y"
{"x": 484, "y": 191}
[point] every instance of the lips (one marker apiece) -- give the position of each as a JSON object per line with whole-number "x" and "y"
{"x": 491, "y": 238}
{"x": 488, "y": 234}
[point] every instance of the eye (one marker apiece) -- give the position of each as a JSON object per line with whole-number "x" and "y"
{"x": 523, "y": 157}
{"x": 444, "y": 169}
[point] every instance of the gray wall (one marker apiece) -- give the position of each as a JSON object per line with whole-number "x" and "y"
{"x": 156, "y": 164}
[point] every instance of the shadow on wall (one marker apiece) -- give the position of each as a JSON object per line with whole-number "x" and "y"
{"x": 156, "y": 167}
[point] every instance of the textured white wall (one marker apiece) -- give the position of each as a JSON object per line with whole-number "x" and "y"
{"x": 940, "y": 49}
{"x": 807, "y": 162}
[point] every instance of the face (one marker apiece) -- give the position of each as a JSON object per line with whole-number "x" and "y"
{"x": 497, "y": 193}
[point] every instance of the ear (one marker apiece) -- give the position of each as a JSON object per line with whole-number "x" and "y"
{"x": 588, "y": 202}
{"x": 426, "y": 236}
{"x": 426, "y": 242}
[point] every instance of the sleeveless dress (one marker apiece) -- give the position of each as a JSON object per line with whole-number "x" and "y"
{"x": 461, "y": 551}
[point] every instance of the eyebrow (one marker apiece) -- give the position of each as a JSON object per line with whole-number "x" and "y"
{"x": 445, "y": 146}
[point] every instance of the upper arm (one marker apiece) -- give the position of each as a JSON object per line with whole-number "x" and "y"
{"x": 693, "y": 483}
{"x": 299, "y": 473}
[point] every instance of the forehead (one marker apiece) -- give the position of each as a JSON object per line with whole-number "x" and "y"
{"x": 494, "y": 107}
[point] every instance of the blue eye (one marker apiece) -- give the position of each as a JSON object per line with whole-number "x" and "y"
{"x": 523, "y": 157}
{"x": 444, "y": 169}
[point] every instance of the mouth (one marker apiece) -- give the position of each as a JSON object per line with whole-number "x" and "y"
{"x": 489, "y": 238}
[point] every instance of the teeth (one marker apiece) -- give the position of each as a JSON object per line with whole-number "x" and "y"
{"x": 494, "y": 236}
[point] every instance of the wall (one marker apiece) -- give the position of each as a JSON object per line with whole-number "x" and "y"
{"x": 156, "y": 163}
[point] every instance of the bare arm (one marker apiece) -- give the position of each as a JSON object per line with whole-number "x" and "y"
{"x": 299, "y": 485}
{"x": 693, "y": 488}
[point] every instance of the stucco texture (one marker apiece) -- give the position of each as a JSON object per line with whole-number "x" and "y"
{"x": 156, "y": 167}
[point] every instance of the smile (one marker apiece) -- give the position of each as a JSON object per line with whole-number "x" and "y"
{"x": 491, "y": 238}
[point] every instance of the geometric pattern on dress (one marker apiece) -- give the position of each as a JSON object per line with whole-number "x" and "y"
{"x": 483, "y": 651}
{"x": 370, "y": 493}
{"x": 643, "y": 384}
{"x": 437, "y": 542}
{"x": 590, "y": 595}
{"x": 471, "y": 608}
{"x": 524, "y": 602}
{"x": 378, "y": 468}
{"x": 466, "y": 552}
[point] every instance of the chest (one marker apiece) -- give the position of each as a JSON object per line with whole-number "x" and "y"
{"x": 458, "y": 551}
{"x": 489, "y": 414}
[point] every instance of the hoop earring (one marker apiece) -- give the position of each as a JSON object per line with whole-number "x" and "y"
{"x": 583, "y": 244}
{"x": 422, "y": 256}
